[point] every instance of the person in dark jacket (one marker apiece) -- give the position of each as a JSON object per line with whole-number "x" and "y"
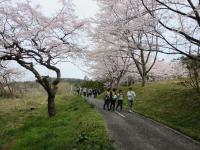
{"x": 107, "y": 100}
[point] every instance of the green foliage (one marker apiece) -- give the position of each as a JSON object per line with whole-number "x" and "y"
{"x": 191, "y": 63}
{"x": 92, "y": 84}
{"x": 193, "y": 67}
{"x": 76, "y": 126}
{"x": 72, "y": 81}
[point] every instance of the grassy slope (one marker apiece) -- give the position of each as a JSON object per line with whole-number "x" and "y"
{"x": 76, "y": 125}
{"x": 171, "y": 104}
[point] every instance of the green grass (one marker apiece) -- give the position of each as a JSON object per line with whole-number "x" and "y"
{"x": 77, "y": 125}
{"x": 171, "y": 104}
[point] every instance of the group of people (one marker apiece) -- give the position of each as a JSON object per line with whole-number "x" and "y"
{"x": 88, "y": 91}
{"x": 114, "y": 99}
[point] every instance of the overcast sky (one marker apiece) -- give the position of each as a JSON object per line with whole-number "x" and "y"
{"x": 83, "y": 9}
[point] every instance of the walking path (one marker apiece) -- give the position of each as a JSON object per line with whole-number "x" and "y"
{"x": 131, "y": 131}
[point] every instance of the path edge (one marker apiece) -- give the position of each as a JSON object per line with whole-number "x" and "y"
{"x": 167, "y": 126}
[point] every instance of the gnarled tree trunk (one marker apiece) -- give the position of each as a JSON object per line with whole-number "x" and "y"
{"x": 51, "y": 89}
{"x": 51, "y": 104}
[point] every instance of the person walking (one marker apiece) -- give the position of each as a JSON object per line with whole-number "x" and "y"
{"x": 107, "y": 100}
{"x": 131, "y": 96}
{"x": 120, "y": 96}
{"x": 113, "y": 99}
{"x": 84, "y": 91}
{"x": 94, "y": 93}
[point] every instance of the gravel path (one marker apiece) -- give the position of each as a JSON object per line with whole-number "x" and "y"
{"x": 131, "y": 131}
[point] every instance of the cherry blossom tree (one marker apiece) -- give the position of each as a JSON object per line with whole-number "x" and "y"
{"x": 32, "y": 39}
{"x": 126, "y": 26}
{"x": 165, "y": 70}
{"x": 109, "y": 66}
{"x": 180, "y": 23}
{"x": 144, "y": 28}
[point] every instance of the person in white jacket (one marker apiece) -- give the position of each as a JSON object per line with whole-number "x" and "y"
{"x": 131, "y": 96}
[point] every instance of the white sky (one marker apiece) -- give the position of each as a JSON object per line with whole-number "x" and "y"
{"x": 83, "y": 9}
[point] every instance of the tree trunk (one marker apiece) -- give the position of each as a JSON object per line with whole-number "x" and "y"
{"x": 51, "y": 89}
{"x": 51, "y": 104}
{"x": 196, "y": 77}
{"x": 143, "y": 81}
{"x": 2, "y": 90}
{"x": 117, "y": 85}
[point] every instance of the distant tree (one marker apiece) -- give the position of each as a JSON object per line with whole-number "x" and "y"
{"x": 193, "y": 67}
{"x": 86, "y": 78}
{"x": 109, "y": 65}
{"x": 142, "y": 53}
{"x": 7, "y": 76}
{"x": 31, "y": 39}
{"x": 92, "y": 84}
{"x": 165, "y": 70}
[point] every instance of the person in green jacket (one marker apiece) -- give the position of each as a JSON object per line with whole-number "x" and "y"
{"x": 120, "y": 100}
